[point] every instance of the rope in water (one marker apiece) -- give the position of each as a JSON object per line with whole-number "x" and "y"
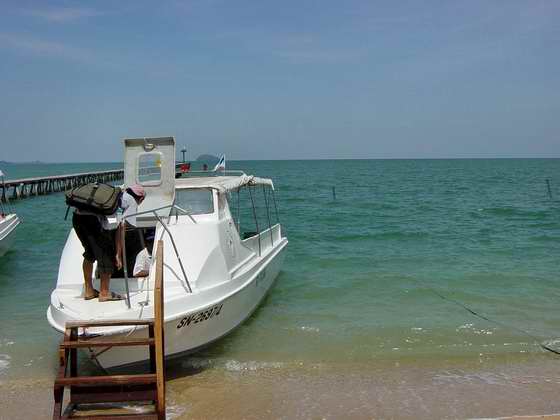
{"x": 484, "y": 317}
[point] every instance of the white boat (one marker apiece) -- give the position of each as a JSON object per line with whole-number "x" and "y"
{"x": 8, "y": 225}
{"x": 214, "y": 276}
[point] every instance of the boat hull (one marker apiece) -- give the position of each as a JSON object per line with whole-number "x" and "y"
{"x": 194, "y": 330}
{"x": 7, "y": 233}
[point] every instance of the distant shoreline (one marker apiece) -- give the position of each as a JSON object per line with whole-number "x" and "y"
{"x": 3, "y": 162}
{"x": 33, "y": 162}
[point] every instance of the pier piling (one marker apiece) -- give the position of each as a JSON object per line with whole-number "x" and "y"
{"x": 549, "y": 190}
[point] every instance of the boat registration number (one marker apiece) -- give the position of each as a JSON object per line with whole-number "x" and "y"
{"x": 200, "y": 316}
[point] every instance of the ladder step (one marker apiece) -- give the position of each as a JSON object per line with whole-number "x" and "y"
{"x": 109, "y": 323}
{"x": 98, "y": 415}
{"x": 146, "y": 378}
{"x": 106, "y": 342}
{"x": 112, "y": 393}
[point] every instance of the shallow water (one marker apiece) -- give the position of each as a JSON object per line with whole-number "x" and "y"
{"x": 359, "y": 281}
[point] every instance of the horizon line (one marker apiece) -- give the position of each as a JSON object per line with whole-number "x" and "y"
{"x": 39, "y": 162}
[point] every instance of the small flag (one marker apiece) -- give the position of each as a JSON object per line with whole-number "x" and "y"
{"x": 221, "y": 165}
{"x": 1, "y": 173}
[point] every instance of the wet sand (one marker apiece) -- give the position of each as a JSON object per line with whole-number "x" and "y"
{"x": 257, "y": 391}
{"x": 409, "y": 392}
{"x": 26, "y": 399}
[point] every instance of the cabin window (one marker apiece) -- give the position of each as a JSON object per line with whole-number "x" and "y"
{"x": 149, "y": 168}
{"x": 195, "y": 200}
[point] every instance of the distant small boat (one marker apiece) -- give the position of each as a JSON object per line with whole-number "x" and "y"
{"x": 8, "y": 225}
{"x": 215, "y": 273}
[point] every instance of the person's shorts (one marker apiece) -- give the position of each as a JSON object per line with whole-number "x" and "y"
{"x": 98, "y": 243}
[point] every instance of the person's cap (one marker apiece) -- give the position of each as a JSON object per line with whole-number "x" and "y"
{"x": 138, "y": 190}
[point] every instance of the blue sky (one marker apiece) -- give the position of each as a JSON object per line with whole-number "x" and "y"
{"x": 281, "y": 79}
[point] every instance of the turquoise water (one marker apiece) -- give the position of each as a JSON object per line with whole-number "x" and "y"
{"x": 357, "y": 286}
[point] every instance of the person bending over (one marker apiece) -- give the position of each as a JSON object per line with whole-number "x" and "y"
{"x": 98, "y": 246}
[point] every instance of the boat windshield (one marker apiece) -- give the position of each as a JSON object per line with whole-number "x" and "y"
{"x": 195, "y": 200}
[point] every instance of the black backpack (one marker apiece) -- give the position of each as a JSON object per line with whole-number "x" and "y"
{"x": 102, "y": 199}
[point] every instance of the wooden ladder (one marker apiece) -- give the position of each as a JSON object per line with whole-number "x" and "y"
{"x": 91, "y": 396}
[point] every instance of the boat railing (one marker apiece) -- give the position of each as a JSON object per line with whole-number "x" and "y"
{"x": 256, "y": 219}
{"x": 159, "y": 220}
{"x": 268, "y": 237}
{"x": 228, "y": 172}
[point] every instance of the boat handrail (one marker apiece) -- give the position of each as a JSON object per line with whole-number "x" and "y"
{"x": 256, "y": 219}
{"x": 268, "y": 215}
{"x": 186, "y": 212}
{"x": 169, "y": 206}
{"x": 215, "y": 173}
{"x": 158, "y": 218}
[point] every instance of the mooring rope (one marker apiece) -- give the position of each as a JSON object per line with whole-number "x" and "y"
{"x": 486, "y": 318}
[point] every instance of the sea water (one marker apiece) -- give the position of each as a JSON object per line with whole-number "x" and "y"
{"x": 372, "y": 278}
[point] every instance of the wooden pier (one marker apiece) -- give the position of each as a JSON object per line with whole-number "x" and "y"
{"x": 15, "y": 189}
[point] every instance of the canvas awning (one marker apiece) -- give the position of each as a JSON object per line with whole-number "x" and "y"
{"x": 222, "y": 183}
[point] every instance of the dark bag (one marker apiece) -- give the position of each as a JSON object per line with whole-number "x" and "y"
{"x": 97, "y": 198}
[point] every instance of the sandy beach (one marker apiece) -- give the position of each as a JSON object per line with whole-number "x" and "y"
{"x": 251, "y": 391}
